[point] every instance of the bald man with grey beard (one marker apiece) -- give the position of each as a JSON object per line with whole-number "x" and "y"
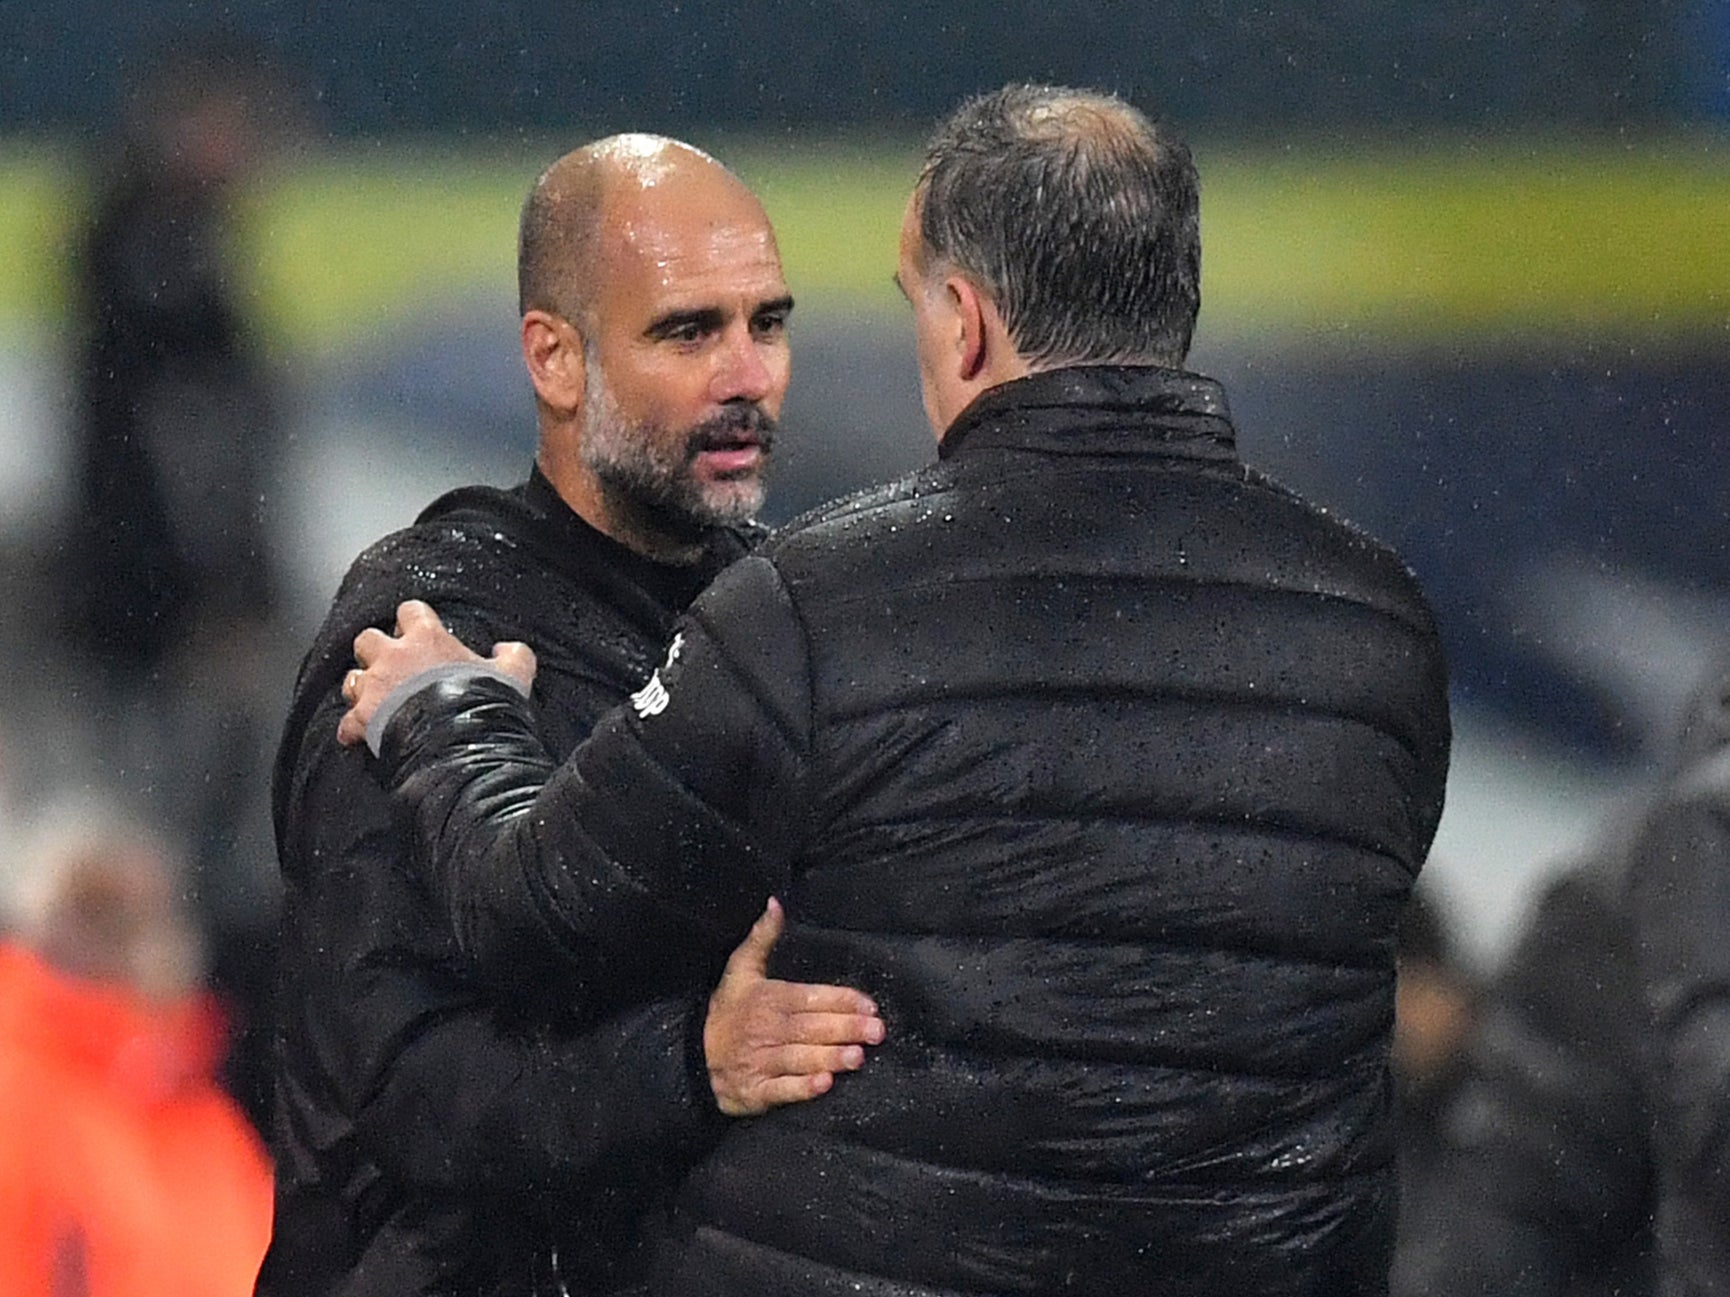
{"x": 438, "y": 1133}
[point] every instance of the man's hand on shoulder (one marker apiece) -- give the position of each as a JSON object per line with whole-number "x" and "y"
{"x": 769, "y": 1042}
{"x": 421, "y": 644}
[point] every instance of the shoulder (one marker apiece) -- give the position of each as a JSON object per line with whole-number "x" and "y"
{"x": 872, "y": 506}
{"x": 1353, "y": 563}
{"x": 462, "y": 555}
{"x": 468, "y": 546}
{"x": 860, "y": 522}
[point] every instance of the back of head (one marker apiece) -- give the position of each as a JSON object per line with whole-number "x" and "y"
{"x": 1077, "y": 215}
{"x": 557, "y": 236}
{"x": 98, "y": 898}
{"x": 208, "y": 111}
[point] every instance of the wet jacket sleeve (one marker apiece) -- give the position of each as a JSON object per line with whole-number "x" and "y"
{"x": 444, "y": 1090}
{"x": 1680, "y": 896}
{"x": 663, "y": 835}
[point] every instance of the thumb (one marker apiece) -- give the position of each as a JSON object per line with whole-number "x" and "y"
{"x": 752, "y": 956}
{"x": 515, "y": 659}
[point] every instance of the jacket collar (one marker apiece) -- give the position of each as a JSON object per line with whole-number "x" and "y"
{"x": 1131, "y": 410}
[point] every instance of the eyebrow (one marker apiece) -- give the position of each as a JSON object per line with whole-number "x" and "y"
{"x": 709, "y": 318}
{"x": 706, "y": 318}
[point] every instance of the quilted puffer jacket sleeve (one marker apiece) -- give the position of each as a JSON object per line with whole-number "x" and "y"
{"x": 665, "y": 832}
{"x": 443, "y": 1092}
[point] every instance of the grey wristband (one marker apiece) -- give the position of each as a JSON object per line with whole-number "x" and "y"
{"x": 394, "y": 700}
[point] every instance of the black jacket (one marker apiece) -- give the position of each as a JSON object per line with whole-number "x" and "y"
{"x": 1105, "y": 765}
{"x": 424, "y": 1134}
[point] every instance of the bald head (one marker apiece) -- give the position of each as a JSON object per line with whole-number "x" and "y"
{"x": 566, "y": 215}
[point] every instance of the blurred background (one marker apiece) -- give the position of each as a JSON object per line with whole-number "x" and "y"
{"x": 1466, "y": 279}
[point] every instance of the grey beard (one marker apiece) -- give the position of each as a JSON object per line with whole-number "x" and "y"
{"x": 656, "y": 493}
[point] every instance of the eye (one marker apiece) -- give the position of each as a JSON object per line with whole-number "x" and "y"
{"x": 769, "y": 324}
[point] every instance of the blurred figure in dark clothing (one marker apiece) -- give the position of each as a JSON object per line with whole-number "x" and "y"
{"x": 1592, "y": 1100}
{"x": 177, "y": 422}
{"x": 1678, "y": 903}
{"x": 164, "y": 554}
{"x": 1434, "y": 1004}
{"x": 1539, "y": 1184}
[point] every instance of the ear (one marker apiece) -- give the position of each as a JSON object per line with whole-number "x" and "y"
{"x": 970, "y": 308}
{"x": 553, "y": 352}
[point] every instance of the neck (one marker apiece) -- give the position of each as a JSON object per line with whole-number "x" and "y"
{"x": 642, "y": 529}
{"x": 636, "y": 527}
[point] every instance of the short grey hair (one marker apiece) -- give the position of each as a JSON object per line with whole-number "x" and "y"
{"x": 1079, "y": 217}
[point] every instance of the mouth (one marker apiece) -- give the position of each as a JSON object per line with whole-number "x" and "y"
{"x": 732, "y": 452}
{"x": 730, "y": 457}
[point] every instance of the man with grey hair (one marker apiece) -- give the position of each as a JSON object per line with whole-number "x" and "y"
{"x": 1103, "y": 763}
{"x": 434, "y": 1134}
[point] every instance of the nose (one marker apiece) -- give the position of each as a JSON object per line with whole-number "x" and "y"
{"x": 744, "y": 372}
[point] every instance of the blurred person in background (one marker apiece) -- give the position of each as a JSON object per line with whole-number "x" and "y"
{"x": 166, "y": 558}
{"x": 1679, "y": 915}
{"x": 1434, "y": 1004}
{"x": 1066, "y": 749}
{"x": 1592, "y": 1102}
{"x": 1539, "y": 1181}
{"x": 125, "y": 1170}
{"x": 431, "y": 1135}
{"x": 178, "y": 419}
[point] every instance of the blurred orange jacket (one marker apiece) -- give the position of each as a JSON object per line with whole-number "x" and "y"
{"x": 124, "y": 1170}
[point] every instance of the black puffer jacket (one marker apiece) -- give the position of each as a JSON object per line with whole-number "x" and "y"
{"x": 1106, "y": 765}
{"x": 427, "y": 1139}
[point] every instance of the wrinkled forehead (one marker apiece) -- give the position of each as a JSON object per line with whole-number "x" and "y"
{"x": 687, "y": 237}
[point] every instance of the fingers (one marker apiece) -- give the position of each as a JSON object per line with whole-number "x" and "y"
{"x": 421, "y": 642}
{"x": 808, "y": 1060}
{"x": 413, "y": 614}
{"x": 783, "y": 1090}
{"x": 350, "y": 730}
{"x": 779, "y": 1018}
{"x": 804, "y": 997}
{"x": 769, "y": 1042}
{"x": 515, "y": 659}
{"x": 369, "y": 644}
{"x": 791, "y": 1074}
{"x": 751, "y": 959}
{"x": 839, "y": 1028}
